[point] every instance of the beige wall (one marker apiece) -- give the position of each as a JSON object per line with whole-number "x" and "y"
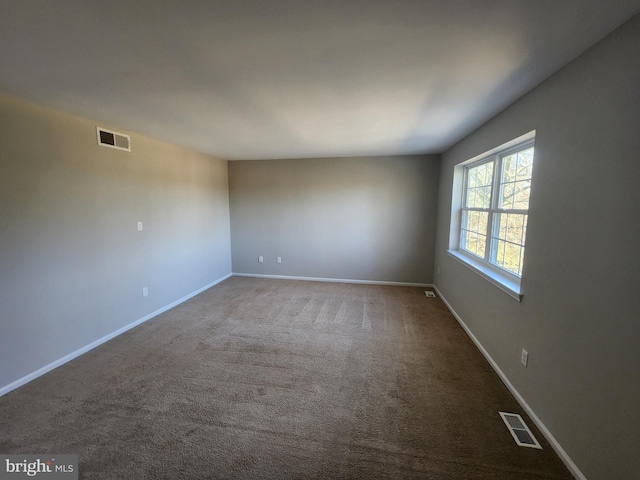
{"x": 580, "y": 315}
{"x": 341, "y": 218}
{"x": 72, "y": 262}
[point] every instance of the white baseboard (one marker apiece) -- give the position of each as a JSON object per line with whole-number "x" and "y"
{"x": 333, "y": 280}
{"x": 573, "y": 468}
{"x": 67, "y": 358}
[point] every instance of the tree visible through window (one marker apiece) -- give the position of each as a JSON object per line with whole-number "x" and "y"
{"x": 495, "y": 207}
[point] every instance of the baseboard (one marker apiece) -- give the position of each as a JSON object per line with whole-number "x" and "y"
{"x": 573, "y": 468}
{"x": 67, "y": 358}
{"x": 333, "y": 280}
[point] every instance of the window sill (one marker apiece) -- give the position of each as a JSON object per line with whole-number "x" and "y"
{"x": 503, "y": 282}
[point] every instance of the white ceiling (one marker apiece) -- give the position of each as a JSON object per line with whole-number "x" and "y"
{"x": 253, "y": 79}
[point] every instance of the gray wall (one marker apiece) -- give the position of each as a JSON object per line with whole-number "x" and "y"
{"x": 580, "y": 315}
{"x": 346, "y": 218}
{"x": 72, "y": 262}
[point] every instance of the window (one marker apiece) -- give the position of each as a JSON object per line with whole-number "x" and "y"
{"x": 492, "y": 212}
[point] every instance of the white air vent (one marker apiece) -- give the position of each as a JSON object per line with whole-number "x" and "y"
{"x": 519, "y": 430}
{"x": 111, "y": 139}
{"x": 430, "y": 294}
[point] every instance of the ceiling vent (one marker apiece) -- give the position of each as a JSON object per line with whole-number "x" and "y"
{"x": 111, "y": 139}
{"x": 519, "y": 430}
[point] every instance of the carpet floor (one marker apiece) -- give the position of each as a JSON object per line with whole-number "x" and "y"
{"x": 278, "y": 379}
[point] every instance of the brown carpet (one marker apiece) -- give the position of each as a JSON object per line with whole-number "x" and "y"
{"x": 280, "y": 379}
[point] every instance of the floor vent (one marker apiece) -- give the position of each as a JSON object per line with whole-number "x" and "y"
{"x": 519, "y": 430}
{"x": 108, "y": 138}
{"x": 430, "y": 294}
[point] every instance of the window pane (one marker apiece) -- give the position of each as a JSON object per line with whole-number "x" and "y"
{"x": 510, "y": 227}
{"x": 507, "y": 193}
{"x": 479, "y": 181}
{"x": 476, "y": 197}
{"x": 525, "y": 164}
{"x": 471, "y": 197}
{"x": 472, "y": 242}
{"x": 515, "y": 185}
{"x": 521, "y": 194}
{"x": 485, "y": 173}
{"x": 474, "y": 232}
{"x": 486, "y": 197}
{"x": 512, "y": 258}
{"x": 482, "y": 245}
{"x": 479, "y": 197}
{"x": 509, "y": 168}
{"x": 472, "y": 178}
{"x": 509, "y": 233}
{"x": 475, "y": 221}
{"x": 488, "y": 173}
{"x": 508, "y": 256}
{"x": 475, "y": 243}
{"x": 499, "y": 260}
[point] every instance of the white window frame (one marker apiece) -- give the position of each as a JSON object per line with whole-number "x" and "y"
{"x": 505, "y": 280}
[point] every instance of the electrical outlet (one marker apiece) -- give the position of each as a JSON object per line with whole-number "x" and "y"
{"x": 278, "y": 259}
{"x": 524, "y": 358}
{"x": 139, "y": 226}
{"x": 145, "y": 291}
{"x": 260, "y": 259}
